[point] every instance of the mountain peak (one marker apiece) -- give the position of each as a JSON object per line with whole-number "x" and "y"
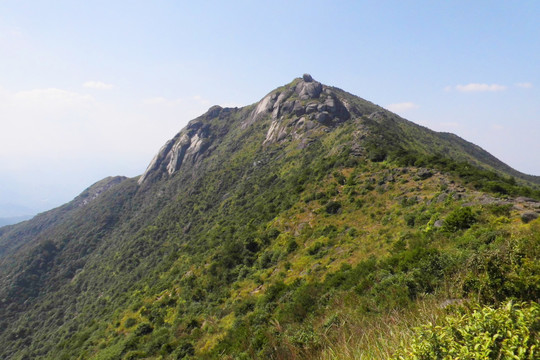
{"x": 303, "y": 111}
{"x": 292, "y": 111}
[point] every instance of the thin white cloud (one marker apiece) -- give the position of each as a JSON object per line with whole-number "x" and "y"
{"x": 98, "y": 85}
{"x": 497, "y": 127}
{"x": 475, "y": 87}
{"x": 402, "y": 107}
{"x": 50, "y": 98}
{"x": 525, "y": 85}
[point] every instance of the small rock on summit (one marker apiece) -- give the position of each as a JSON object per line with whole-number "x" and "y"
{"x": 307, "y": 78}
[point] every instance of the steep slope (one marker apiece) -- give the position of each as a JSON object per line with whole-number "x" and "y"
{"x": 254, "y": 217}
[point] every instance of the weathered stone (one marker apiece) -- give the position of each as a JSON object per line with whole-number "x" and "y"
{"x": 186, "y": 147}
{"x": 300, "y": 123}
{"x": 298, "y": 109}
{"x": 213, "y": 112}
{"x": 282, "y": 134}
{"x": 442, "y": 198}
{"x": 276, "y": 112}
{"x": 528, "y": 217}
{"x": 287, "y": 106}
{"x": 323, "y": 117}
{"x": 424, "y": 173}
{"x": 526, "y": 199}
{"x": 329, "y": 105}
{"x": 438, "y": 224}
{"x": 310, "y": 125}
{"x": 308, "y": 90}
{"x": 178, "y": 152}
{"x": 311, "y": 108}
{"x": 272, "y": 132}
{"x": 307, "y": 78}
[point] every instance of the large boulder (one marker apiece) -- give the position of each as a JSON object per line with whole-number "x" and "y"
{"x": 529, "y": 216}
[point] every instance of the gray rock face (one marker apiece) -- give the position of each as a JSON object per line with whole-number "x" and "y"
{"x": 323, "y": 117}
{"x": 185, "y": 147}
{"x": 289, "y": 107}
{"x": 311, "y": 108}
{"x": 308, "y": 90}
{"x": 213, "y": 112}
{"x": 528, "y": 217}
{"x": 424, "y": 174}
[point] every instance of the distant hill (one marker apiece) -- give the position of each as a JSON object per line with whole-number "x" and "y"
{"x": 13, "y": 220}
{"x": 311, "y": 224}
{"x": 10, "y": 210}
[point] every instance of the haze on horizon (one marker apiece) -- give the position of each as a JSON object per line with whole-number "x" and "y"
{"x": 89, "y": 90}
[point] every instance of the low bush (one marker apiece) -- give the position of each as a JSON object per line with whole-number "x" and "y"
{"x": 459, "y": 219}
{"x": 509, "y": 332}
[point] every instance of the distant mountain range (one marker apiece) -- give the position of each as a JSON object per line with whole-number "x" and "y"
{"x": 273, "y": 231}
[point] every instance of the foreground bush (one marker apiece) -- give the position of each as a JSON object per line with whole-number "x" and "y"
{"x": 510, "y": 332}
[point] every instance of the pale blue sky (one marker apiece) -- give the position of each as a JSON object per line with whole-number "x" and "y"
{"x": 93, "y": 88}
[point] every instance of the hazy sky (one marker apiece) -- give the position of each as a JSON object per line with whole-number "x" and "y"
{"x": 90, "y": 89}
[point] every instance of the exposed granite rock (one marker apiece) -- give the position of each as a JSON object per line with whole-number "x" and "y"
{"x": 307, "y": 78}
{"x": 526, "y": 200}
{"x": 424, "y": 174}
{"x": 325, "y": 108}
{"x": 186, "y": 147}
{"x": 311, "y": 108}
{"x": 288, "y": 106}
{"x": 298, "y": 109}
{"x": 308, "y": 90}
{"x": 213, "y": 112}
{"x": 323, "y": 117}
{"x": 529, "y": 216}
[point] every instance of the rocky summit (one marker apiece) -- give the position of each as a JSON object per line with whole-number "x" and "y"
{"x": 295, "y": 111}
{"x": 312, "y": 224}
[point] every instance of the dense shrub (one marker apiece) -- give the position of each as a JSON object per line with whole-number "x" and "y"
{"x": 332, "y": 207}
{"x": 130, "y": 322}
{"x": 144, "y": 329}
{"x": 459, "y": 219}
{"x": 510, "y": 332}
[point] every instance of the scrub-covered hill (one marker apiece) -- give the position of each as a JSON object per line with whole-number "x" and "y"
{"x": 277, "y": 230}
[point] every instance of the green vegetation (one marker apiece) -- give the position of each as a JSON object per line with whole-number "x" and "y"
{"x": 279, "y": 251}
{"x": 509, "y": 332}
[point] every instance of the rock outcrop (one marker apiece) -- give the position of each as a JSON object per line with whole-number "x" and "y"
{"x": 186, "y": 147}
{"x": 292, "y": 111}
{"x": 302, "y": 106}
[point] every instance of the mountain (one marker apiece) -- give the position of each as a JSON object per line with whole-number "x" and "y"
{"x": 9, "y": 210}
{"x": 13, "y": 220}
{"x": 275, "y": 230}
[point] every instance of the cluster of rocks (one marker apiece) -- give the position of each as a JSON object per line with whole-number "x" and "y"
{"x": 300, "y": 108}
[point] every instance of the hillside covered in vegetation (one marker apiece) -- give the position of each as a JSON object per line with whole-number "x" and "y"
{"x": 310, "y": 225}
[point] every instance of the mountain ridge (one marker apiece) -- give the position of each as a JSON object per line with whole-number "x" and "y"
{"x": 193, "y": 140}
